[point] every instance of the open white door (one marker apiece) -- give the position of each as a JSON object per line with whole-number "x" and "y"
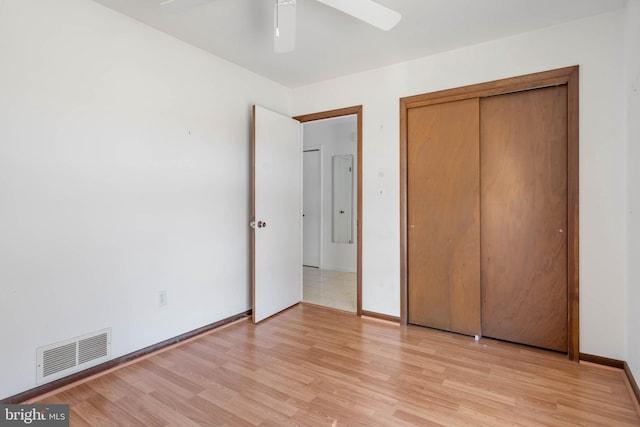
{"x": 277, "y": 213}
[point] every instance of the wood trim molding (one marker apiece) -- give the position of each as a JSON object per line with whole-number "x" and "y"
{"x": 347, "y": 111}
{"x": 114, "y": 363}
{"x": 618, "y": 364}
{"x": 381, "y": 316}
{"x": 573, "y": 214}
{"x": 604, "y": 361}
{"x": 252, "y": 213}
{"x": 329, "y": 114}
{"x": 496, "y": 87}
{"x": 632, "y": 382}
{"x": 404, "y": 209}
{"x": 562, "y": 76}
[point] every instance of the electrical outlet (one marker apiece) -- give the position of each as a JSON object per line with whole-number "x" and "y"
{"x": 162, "y": 298}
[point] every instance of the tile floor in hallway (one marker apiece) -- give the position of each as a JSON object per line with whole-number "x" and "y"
{"x": 336, "y": 289}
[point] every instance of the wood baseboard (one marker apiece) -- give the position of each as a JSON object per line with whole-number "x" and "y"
{"x": 381, "y": 316}
{"x": 618, "y": 364}
{"x": 113, "y": 363}
{"x": 604, "y": 361}
{"x": 632, "y": 381}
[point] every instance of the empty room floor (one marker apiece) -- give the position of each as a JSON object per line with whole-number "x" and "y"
{"x": 335, "y": 289}
{"x": 313, "y": 366}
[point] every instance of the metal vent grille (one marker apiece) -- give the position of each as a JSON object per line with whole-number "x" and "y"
{"x": 58, "y": 359}
{"x": 66, "y": 357}
{"x": 92, "y": 348}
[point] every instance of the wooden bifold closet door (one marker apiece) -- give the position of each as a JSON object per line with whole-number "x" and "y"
{"x": 487, "y": 216}
{"x": 523, "y": 196}
{"x": 443, "y": 216}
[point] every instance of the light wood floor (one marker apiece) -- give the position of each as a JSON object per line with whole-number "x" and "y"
{"x": 318, "y": 367}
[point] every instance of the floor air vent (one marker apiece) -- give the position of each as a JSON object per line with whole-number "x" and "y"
{"x": 66, "y": 357}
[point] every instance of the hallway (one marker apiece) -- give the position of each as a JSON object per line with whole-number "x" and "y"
{"x": 335, "y": 289}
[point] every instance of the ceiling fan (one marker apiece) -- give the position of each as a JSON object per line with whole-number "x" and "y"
{"x": 365, "y": 10}
{"x": 285, "y": 17}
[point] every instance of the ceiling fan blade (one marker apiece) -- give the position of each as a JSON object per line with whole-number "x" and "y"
{"x": 284, "y": 34}
{"x": 368, "y": 11}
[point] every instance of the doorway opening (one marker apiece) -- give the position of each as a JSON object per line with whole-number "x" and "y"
{"x": 332, "y": 208}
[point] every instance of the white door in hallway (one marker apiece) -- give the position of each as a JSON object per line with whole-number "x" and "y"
{"x": 276, "y": 238}
{"x": 311, "y": 208}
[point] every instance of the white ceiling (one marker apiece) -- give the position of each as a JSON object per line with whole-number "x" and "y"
{"x": 331, "y": 44}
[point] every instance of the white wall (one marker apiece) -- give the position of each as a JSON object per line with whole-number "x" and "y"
{"x": 124, "y": 169}
{"x": 596, "y": 45}
{"x": 336, "y": 137}
{"x": 632, "y": 91}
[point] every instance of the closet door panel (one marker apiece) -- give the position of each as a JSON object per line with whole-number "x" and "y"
{"x": 524, "y": 217}
{"x": 443, "y": 216}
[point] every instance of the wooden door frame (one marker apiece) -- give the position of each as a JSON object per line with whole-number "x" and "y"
{"x": 562, "y": 76}
{"x": 347, "y": 111}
